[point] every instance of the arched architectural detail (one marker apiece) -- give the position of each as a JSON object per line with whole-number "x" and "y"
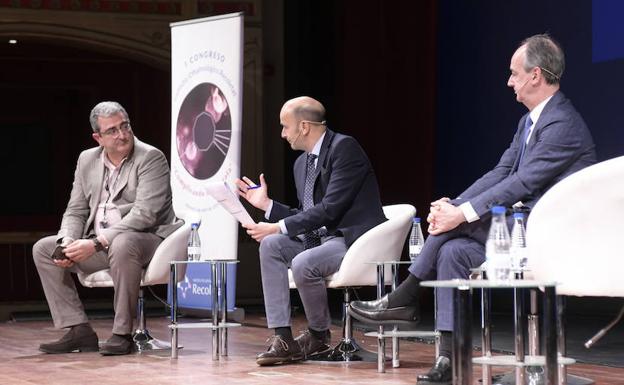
{"x": 148, "y": 46}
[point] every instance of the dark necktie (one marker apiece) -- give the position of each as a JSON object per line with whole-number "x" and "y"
{"x": 527, "y": 125}
{"x": 311, "y": 238}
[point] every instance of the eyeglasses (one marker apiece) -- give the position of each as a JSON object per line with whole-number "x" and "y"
{"x": 116, "y": 131}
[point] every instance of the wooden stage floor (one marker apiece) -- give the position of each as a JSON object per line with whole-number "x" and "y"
{"x": 21, "y": 363}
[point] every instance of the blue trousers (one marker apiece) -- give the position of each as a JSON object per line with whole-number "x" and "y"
{"x": 451, "y": 255}
{"x": 309, "y": 267}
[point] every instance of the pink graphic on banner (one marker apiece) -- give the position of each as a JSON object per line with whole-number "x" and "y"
{"x": 204, "y": 130}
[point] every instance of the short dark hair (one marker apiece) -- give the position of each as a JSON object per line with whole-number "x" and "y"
{"x": 544, "y": 52}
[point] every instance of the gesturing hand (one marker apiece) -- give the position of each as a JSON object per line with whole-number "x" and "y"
{"x": 253, "y": 193}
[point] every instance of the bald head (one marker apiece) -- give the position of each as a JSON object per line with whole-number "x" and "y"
{"x": 305, "y": 108}
{"x": 303, "y": 122}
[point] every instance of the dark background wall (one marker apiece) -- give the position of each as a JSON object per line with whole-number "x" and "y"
{"x": 373, "y": 66}
{"x": 421, "y": 85}
{"x": 46, "y": 93}
{"x": 475, "y": 107}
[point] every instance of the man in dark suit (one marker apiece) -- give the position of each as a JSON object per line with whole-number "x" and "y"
{"x": 552, "y": 142}
{"x": 338, "y": 201}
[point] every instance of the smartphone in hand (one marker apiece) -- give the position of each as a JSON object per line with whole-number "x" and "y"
{"x": 58, "y": 253}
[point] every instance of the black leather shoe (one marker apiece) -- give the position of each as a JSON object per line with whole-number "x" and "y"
{"x": 440, "y": 374}
{"x": 312, "y": 346}
{"x": 80, "y": 338}
{"x": 378, "y": 312}
{"x": 280, "y": 351}
{"x": 117, "y": 345}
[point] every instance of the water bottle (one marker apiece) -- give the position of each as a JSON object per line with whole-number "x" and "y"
{"x": 518, "y": 243}
{"x": 194, "y": 244}
{"x": 497, "y": 247}
{"x": 416, "y": 239}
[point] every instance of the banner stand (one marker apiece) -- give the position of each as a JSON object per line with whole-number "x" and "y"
{"x": 206, "y": 116}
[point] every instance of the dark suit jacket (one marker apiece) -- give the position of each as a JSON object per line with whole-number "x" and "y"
{"x": 559, "y": 146}
{"x": 346, "y": 194}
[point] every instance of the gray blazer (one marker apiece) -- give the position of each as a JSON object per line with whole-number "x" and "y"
{"x": 143, "y": 196}
{"x": 560, "y": 145}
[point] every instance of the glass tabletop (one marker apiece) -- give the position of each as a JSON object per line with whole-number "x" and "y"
{"x": 210, "y": 261}
{"x": 464, "y": 284}
{"x": 482, "y": 268}
{"x": 388, "y": 263}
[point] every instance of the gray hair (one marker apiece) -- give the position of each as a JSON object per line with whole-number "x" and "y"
{"x": 105, "y": 109}
{"x": 544, "y": 52}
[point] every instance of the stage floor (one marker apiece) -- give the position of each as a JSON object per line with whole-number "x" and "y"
{"x": 21, "y": 363}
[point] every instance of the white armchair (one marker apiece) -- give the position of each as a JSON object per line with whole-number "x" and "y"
{"x": 574, "y": 235}
{"x": 172, "y": 248}
{"x": 383, "y": 242}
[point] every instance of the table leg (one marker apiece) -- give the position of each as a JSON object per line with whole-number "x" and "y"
{"x": 486, "y": 336}
{"x": 381, "y": 343}
{"x": 533, "y": 325}
{"x": 462, "y": 336}
{"x": 561, "y": 338}
{"x": 550, "y": 335}
{"x": 223, "y": 309}
{"x": 395, "y": 340}
{"x": 518, "y": 295}
{"x": 215, "y": 311}
{"x": 174, "y": 309}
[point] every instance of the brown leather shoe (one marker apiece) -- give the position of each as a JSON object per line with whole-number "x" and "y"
{"x": 280, "y": 351}
{"x": 117, "y": 345}
{"x": 312, "y": 346}
{"x": 80, "y": 338}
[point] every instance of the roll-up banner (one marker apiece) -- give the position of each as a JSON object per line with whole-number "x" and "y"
{"x": 206, "y": 116}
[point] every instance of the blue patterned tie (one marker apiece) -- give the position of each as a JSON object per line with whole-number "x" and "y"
{"x": 311, "y": 238}
{"x": 527, "y": 125}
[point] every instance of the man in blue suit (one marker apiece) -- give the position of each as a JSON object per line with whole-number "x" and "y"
{"x": 338, "y": 202}
{"x": 552, "y": 142}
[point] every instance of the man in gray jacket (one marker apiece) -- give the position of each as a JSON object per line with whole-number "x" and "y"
{"x": 118, "y": 213}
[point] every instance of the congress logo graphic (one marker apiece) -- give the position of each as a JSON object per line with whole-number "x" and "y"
{"x": 203, "y": 130}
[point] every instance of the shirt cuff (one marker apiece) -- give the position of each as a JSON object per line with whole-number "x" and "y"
{"x": 267, "y": 213}
{"x": 65, "y": 241}
{"x": 282, "y": 226}
{"x": 103, "y": 240}
{"x": 469, "y": 213}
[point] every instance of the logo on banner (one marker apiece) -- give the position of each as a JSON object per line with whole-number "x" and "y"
{"x": 184, "y": 287}
{"x": 204, "y": 130}
{"x": 192, "y": 286}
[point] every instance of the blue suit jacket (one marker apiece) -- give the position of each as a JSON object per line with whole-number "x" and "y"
{"x": 346, "y": 194}
{"x": 559, "y": 146}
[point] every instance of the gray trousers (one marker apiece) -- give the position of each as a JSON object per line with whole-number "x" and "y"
{"x": 451, "y": 255}
{"x": 127, "y": 255}
{"x": 309, "y": 267}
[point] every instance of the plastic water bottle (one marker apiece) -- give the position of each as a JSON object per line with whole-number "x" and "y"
{"x": 518, "y": 243}
{"x": 497, "y": 247}
{"x": 194, "y": 244}
{"x": 416, "y": 239}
